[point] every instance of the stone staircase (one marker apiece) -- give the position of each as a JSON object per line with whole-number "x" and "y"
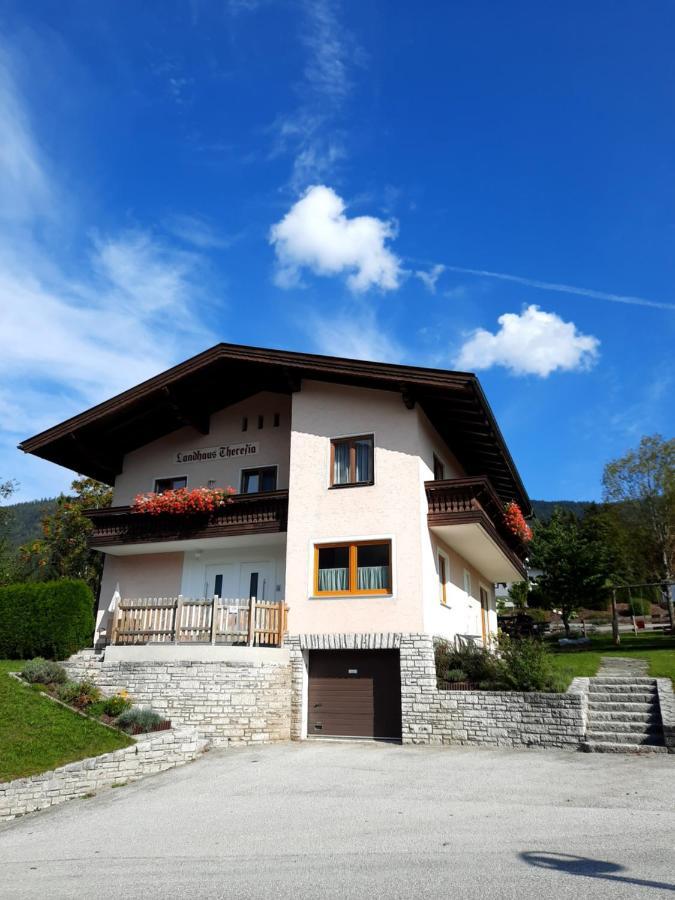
{"x": 623, "y": 709}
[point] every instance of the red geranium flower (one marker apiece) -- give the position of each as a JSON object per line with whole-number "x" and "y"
{"x": 515, "y": 521}
{"x": 183, "y": 501}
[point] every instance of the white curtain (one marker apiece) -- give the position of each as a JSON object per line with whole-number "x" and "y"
{"x": 333, "y": 579}
{"x": 341, "y": 467}
{"x": 363, "y": 455}
{"x": 371, "y": 578}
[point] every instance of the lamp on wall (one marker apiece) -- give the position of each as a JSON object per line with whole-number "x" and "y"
{"x": 198, "y": 554}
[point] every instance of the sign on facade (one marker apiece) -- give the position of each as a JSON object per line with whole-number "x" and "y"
{"x": 205, "y": 454}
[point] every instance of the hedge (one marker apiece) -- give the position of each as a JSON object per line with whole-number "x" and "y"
{"x": 52, "y": 619}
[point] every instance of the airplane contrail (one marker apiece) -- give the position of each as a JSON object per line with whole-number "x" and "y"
{"x": 563, "y": 288}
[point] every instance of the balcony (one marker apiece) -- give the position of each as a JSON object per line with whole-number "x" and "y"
{"x": 247, "y": 514}
{"x": 467, "y": 515}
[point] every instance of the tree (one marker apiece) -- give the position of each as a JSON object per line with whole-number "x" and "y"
{"x": 63, "y": 551}
{"x": 7, "y": 488}
{"x": 643, "y": 483}
{"x": 518, "y": 592}
{"x": 573, "y": 564}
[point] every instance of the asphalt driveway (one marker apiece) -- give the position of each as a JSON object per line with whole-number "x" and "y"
{"x": 360, "y": 820}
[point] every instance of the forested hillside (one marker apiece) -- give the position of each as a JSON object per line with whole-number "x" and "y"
{"x": 24, "y": 520}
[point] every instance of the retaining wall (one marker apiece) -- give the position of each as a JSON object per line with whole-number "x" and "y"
{"x": 227, "y": 702}
{"x": 487, "y": 718}
{"x": 150, "y": 754}
{"x": 664, "y": 687}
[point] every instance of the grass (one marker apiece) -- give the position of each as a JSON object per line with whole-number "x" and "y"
{"x": 37, "y": 734}
{"x": 658, "y": 649}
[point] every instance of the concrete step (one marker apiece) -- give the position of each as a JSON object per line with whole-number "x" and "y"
{"x": 595, "y": 746}
{"x": 622, "y": 679}
{"x": 620, "y": 706}
{"x": 621, "y": 696}
{"x": 630, "y": 737}
{"x": 646, "y": 718}
{"x": 630, "y": 727}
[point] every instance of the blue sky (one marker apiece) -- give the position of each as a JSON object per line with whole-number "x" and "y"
{"x": 344, "y": 178}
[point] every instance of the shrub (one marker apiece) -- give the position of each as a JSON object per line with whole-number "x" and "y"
{"x": 53, "y": 619}
{"x": 139, "y": 719}
{"x": 475, "y": 663}
{"x": 455, "y": 675}
{"x": 115, "y": 706}
{"x": 79, "y": 693}
{"x": 43, "y": 671}
{"x": 638, "y": 607}
{"x": 525, "y": 665}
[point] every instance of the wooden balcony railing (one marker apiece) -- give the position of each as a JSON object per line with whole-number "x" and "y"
{"x": 246, "y": 514}
{"x": 161, "y": 620}
{"x": 464, "y": 500}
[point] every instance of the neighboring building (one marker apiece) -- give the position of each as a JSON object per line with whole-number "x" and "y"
{"x": 369, "y": 499}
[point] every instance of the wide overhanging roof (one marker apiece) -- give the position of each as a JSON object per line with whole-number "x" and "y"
{"x": 94, "y": 443}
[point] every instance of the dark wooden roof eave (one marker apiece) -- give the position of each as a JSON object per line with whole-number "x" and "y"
{"x": 95, "y": 441}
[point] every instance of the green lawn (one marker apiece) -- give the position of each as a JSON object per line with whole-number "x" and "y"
{"x": 658, "y": 649}
{"x": 37, "y": 734}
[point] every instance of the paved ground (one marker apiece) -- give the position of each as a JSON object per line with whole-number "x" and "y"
{"x": 360, "y": 820}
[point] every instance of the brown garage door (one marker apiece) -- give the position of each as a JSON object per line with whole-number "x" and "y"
{"x": 354, "y": 694}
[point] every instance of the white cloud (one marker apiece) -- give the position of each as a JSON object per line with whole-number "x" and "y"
{"x": 532, "y": 343}
{"x": 316, "y": 234}
{"x": 354, "y": 334}
{"x": 197, "y": 231}
{"x": 430, "y": 278}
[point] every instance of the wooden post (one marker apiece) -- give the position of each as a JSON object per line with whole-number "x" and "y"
{"x": 251, "y": 621}
{"x": 214, "y": 630}
{"x": 616, "y": 637}
{"x": 178, "y": 615}
{"x": 115, "y": 622}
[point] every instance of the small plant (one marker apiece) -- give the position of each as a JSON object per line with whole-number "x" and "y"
{"x": 525, "y": 665}
{"x": 474, "y": 663}
{"x": 456, "y": 675}
{"x": 138, "y": 720}
{"x": 80, "y": 694}
{"x": 43, "y": 671}
{"x": 115, "y": 706}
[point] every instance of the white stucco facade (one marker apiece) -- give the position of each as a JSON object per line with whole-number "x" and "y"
{"x": 295, "y": 435}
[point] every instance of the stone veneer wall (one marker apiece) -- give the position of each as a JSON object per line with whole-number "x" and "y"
{"x": 150, "y": 754}
{"x": 509, "y": 719}
{"x": 664, "y": 688}
{"x": 228, "y": 703}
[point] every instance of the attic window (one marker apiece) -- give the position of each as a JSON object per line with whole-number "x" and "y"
{"x": 244, "y": 423}
{"x": 261, "y": 421}
{"x": 276, "y": 420}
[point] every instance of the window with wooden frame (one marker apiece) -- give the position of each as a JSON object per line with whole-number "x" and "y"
{"x": 439, "y": 469}
{"x": 351, "y": 461}
{"x": 255, "y": 480}
{"x": 170, "y": 484}
{"x": 443, "y": 578}
{"x": 352, "y": 568}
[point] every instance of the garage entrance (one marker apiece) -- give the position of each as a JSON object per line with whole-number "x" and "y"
{"x": 354, "y": 693}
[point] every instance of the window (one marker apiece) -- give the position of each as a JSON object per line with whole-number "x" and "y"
{"x": 170, "y": 484}
{"x": 351, "y": 461}
{"x": 261, "y": 421}
{"x": 244, "y": 423}
{"x": 467, "y": 582}
{"x": 443, "y": 578}
{"x": 439, "y": 469}
{"x": 255, "y": 480}
{"x": 361, "y": 567}
{"x": 277, "y": 419}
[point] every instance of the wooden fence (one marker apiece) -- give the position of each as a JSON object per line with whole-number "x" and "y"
{"x": 164, "y": 620}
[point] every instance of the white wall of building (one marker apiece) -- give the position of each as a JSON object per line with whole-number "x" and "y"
{"x": 158, "y": 458}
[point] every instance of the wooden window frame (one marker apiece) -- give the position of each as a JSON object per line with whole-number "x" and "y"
{"x": 245, "y": 472}
{"x": 353, "y": 557}
{"x": 443, "y": 576}
{"x": 351, "y": 441}
{"x": 438, "y": 463}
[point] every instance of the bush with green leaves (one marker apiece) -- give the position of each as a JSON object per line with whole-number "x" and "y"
{"x": 80, "y": 694}
{"x": 53, "y": 619}
{"x": 43, "y": 671}
{"x": 475, "y": 663}
{"x": 639, "y": 607}
{"x": 525, "y": 665}
{"x": 139, "y": 719}
{"x": 455, "y": 675}
{"x": 115, "y": 706}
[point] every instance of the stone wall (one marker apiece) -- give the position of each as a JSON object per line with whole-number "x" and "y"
{"x": 227, "y": 702}
{"x": 664, "y": 687}
{"x": 150, "y": 754}
{"x": 487, "y": 718}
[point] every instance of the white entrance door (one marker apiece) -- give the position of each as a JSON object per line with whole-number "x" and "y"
{"x": 256, "y": 580}
{"x": 220, "y": 580}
